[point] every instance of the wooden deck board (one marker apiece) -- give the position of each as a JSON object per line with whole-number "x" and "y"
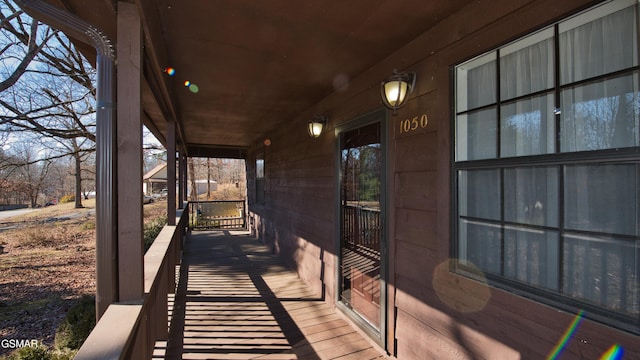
{"x": 237, "y": 301}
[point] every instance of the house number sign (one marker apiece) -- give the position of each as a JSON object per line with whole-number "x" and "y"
{"x": 413, "y": 124}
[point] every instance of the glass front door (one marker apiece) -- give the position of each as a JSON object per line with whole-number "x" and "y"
{"x": 361, "y": 225}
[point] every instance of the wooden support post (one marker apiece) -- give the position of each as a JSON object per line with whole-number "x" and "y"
{"x": 171, "y": 172}
{"x": 181, "y": 180}
{"x": 129, "y": 141}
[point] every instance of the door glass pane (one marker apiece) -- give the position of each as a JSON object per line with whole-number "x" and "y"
{"x": 361, "y": 225}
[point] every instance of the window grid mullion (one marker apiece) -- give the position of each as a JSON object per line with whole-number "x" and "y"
{"x": 502, "y": 225}
{"x": 557, "y": 118}
{"x": 560, "y": 161}
{"x": 499, "y": 155}
{"x": 557, "y": 95}
{"x": 498, "y": 106}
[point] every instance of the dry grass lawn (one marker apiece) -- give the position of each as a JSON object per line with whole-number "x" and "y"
{"x": 48, "y": 262}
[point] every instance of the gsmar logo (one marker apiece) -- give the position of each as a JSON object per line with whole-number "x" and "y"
{"x": 18, "y": 343}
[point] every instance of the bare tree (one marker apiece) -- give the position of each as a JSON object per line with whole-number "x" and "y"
{"x": 23, "y": 40}
{"x": 47, "y": 89}
{"x": 32, "y": 170}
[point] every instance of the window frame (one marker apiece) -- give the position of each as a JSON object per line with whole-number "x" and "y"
{"x": 558, "y": 159}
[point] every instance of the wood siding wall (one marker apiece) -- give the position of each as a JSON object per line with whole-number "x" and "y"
{"x": 433, "y": 313}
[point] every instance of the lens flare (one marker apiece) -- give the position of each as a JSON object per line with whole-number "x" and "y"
{"x": 615, "y": 352}
{"x": 557, "y": 350}
{"x": 194, "y": 88}
{"x": 187, "y": 83}
{"x": 457, "y": 297}
{"x": 170, "y": 71}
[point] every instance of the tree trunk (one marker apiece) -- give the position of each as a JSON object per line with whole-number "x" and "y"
{"x": 194, "y": 189}
{"x": 33, "y": 196}
{"x": 208, "y": 178}
{"x": 78, "y": 176}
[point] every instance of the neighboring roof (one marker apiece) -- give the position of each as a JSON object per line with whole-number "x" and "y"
{"x": 157, "y": 173}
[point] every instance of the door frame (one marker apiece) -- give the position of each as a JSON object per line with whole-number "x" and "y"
{"x": 376, "y": 116}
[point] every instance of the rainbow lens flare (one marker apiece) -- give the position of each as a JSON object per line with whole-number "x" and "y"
{"x": 170, "y": 71}
{"x": 557, "y": 350}
{"x": 187, "y": 83}
{"x": 615, "y": 352}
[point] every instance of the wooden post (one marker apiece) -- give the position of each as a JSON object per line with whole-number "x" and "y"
{"x": 129, "y": 141}
{"x": 171, "y": 172}
{"x": 181, "y": 180}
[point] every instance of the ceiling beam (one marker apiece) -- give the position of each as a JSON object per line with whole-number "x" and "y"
{"x": 213, "y": 151}
{"x": 157, "y": 60}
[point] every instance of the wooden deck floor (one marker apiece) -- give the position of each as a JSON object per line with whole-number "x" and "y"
{"x": 237, "y": 301}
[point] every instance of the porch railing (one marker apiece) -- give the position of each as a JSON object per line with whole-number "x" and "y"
{"x": 130, "y": 330}
{"x": 220, "y": 214}
{"x": 361, "y": 226}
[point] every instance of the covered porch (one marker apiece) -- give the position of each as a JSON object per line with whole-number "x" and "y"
{"x": 237, "y": 300}
{"x": 245, "y": 79}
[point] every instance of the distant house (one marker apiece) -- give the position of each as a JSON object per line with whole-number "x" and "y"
{"x": 155, "y": 180}
{"x": 201, "y": 186}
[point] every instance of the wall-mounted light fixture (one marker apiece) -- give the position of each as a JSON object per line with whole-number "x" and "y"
{"x": 396, "y": 89}
{"x": 316, "y": 125}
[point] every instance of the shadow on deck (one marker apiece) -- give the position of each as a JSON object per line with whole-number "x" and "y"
{"x": 237, "y": 301}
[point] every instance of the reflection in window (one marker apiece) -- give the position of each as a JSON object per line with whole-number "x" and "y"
{"x": 528, "y": 127}
{"x": 361, "y": 225}
{"x": 601, "y": 115}
{"x": 547, "y": 168}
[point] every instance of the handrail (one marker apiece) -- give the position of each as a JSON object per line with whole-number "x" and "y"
{"x": 130, "y": 330}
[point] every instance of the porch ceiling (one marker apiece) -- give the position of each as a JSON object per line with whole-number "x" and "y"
{"x": 258, "y": 63}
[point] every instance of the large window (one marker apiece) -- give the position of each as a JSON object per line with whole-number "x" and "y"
{"x": 547, "y": 165}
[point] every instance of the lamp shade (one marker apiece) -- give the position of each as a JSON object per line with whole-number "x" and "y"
{"x": 395, "y": 92}
{"x": 396, "y": 89}
{"x": 316, "y": 125}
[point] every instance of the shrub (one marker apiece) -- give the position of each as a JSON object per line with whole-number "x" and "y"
{"x": 65, "y": 354}
{"x": 30, "y": 353}
{"x": 77, "y": 324}
{"x": 52, "y": 235}
{"x": 152, "y": 229}
{"x": 67, "y": 198}
{"x": 36, "y": 237}
{"x": 89, "y": 225}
